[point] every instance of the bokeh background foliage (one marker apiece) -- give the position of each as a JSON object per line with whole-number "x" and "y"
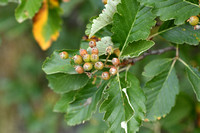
{"x": 26, "y": 102}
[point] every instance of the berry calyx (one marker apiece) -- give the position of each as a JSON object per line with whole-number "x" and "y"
{"x": 79, "y": 69}
{"x": 95, "y": 50}
{"x": 78, "y": 59}
{"x": 109, "y": 50}
{"x": 94, "y": 58}
{"x": 193, "y": 20}
{"x": 87, "y": 66}
{"x": 113, "y": 71}
{"x": 92, "y": 44}
{"x": 105, "y": 76}
{"x": 86, "y": 57}
{"x": 98, "y": 65}
{"x": 115, "y": 61}
{"x": 64, "y": 55}
{"x": 82, "y": 52}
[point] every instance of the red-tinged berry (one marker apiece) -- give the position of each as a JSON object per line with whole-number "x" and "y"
{"x": 98, "y": 65}
{"x": 92, "y": 44}
{"x": 104, "y": 2}
{"x": 193, "y": 20}
{"x": 78, "y": 59}
{"x": 64, "y": 55}
{"x": 105, "y": 76}
{"x": 94, "y": 58}
{"x": 95, "y": 50}
{"x": 109, "y": 50}
{"x": 115, "y": 61}
{"x": 79, "y": 69}
{"x": 86, "y": 57}
{"x": 82, "y": 52}
{"x": 87, "y": 66}
{"x": 113, "y": 71}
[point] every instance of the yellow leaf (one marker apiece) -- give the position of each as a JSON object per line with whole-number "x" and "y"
{"x": 39, "y": 22}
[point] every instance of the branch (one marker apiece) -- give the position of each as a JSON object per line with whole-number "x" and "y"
{"x": 153, "y": 52}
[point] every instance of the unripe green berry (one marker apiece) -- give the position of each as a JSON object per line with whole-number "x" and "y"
{"x": 79, "y": 69}
{"x": 115, "y": 61}
{"x": 92, "y": 44}
{"x": 105, "y": 76}
{"x": 64, "y": 55}
{"x": 98, "y": 65}
{"x": 87, "y": 66}
{"x": 86, "y": 57}
{"x": 82, "y": 52}
{"x": 78, "y": 59}
{"x": 193, "y": 20}
{"x": 113, "y": 71}
{"x": 109, "y": 50}
{"x": 94, "y": 58}
{"x": 95, "y": 50}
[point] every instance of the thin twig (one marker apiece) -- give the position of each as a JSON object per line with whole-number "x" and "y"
{"x": 153, "y": 52}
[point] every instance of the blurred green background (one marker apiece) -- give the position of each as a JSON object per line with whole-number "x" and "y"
{"x": 26, "y": 101}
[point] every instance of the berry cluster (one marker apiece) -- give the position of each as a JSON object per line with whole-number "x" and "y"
{"x": 194, "y": 21}
{"x": 85, "y": 62}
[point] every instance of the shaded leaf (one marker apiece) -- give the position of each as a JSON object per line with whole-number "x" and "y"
{"x": 161, "y": 93}
{"x": 63, "y": 83}
{"x": 117, "y": 107}
{"x": 180, "y": 10}
{"x": 85, "y": 103}
{"x": 55, "y": 64}
{"x": 193, "y": 75}
{"x": 181, "y": 34}
{"x": 132, "y": 23}
{"x": 135, "y": 49}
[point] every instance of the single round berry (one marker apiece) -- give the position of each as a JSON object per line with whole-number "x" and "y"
{"x": 109, "y": 50}
{"x": 64, "y": 55}
{"x": 82, "y": 52}
{"x": 79, "y": 69}
{"x": 194, "y": 20}
{"x": 95, "y": 50}
{"x": 98, "y": 65}
{"x": 115, "y": 61}
{"x": 86, "y": 57}
{"x": 105, "y": 76}
{"x": 104, "y": 2}
{"x": 87, "y": 66}
{"x": 113, "y": 71}
{"x": 94, "y": 58}
{"x": 78, "y": 59}
{"x": 92, "y": 44}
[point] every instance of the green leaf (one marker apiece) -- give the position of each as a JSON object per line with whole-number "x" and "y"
{"x": 135, "y": 49}
{"x": 180, "y": 10}
{"x": 105, "y": 18}
{"x": 137, "y": 100}
{"x": 102, "y": 45}
{"x": 156, "y": 67}
{"x": 55, "y": 64}
{"x": 27, "y": 9}
{"x": 63, "y": 103}
{"x": 161, "y": 92}
{"x": 132, "y": 22}
{"x": 85, "y": 103}
{"x": 194, "y": 78}
{"x": 117, "y": 107}
{"x": 63, "y": 83}
{"x": 181, "y": 34}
